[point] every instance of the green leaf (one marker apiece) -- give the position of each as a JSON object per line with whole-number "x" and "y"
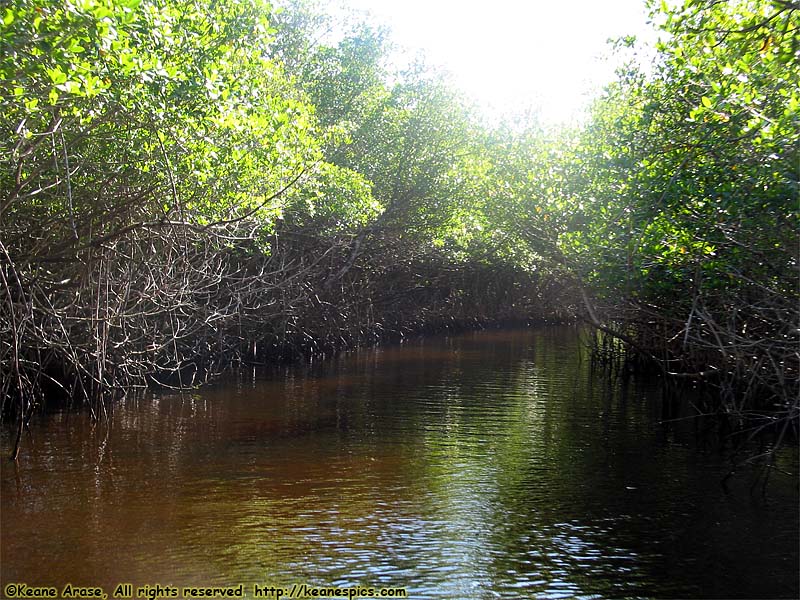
{"x": 706, "y": 101}
{"x": 57, "y": 76}
{"x": 71, "y": 87}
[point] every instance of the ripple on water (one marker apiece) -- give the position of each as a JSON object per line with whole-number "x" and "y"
{"x": 477, "y": 466}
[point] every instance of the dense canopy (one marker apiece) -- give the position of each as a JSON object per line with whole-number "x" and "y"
{"x": 188, "y": 186}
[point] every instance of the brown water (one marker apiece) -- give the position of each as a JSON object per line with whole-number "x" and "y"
{"x": 486, "y": 465}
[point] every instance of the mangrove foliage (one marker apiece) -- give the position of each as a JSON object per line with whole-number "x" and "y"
{"x": 188, "y": 186}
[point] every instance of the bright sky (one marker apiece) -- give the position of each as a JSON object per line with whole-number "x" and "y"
{"x": 511, "y": 55}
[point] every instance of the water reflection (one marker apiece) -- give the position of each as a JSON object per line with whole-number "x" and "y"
{"x": 484, "y": 465}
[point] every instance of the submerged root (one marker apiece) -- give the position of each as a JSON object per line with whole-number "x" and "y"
{"x": 174, "y": 306}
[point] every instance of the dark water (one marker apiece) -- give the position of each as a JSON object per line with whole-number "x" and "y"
{"x": 479, "y": 466}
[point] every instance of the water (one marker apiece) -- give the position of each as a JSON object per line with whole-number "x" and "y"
{"x": 488, "y": 465}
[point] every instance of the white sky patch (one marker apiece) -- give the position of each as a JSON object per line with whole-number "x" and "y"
{"x": 516, "y": 55}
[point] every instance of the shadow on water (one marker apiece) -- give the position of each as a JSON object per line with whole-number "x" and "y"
{"x": 489, "y": 464}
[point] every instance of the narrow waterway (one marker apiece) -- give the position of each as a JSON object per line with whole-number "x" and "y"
{"x": 492, "y": 464}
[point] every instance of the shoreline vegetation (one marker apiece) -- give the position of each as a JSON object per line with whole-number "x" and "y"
{"x": 189, "y": 187}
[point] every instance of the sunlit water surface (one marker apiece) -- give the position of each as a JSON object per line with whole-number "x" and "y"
{"x": 492, "y": 464}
